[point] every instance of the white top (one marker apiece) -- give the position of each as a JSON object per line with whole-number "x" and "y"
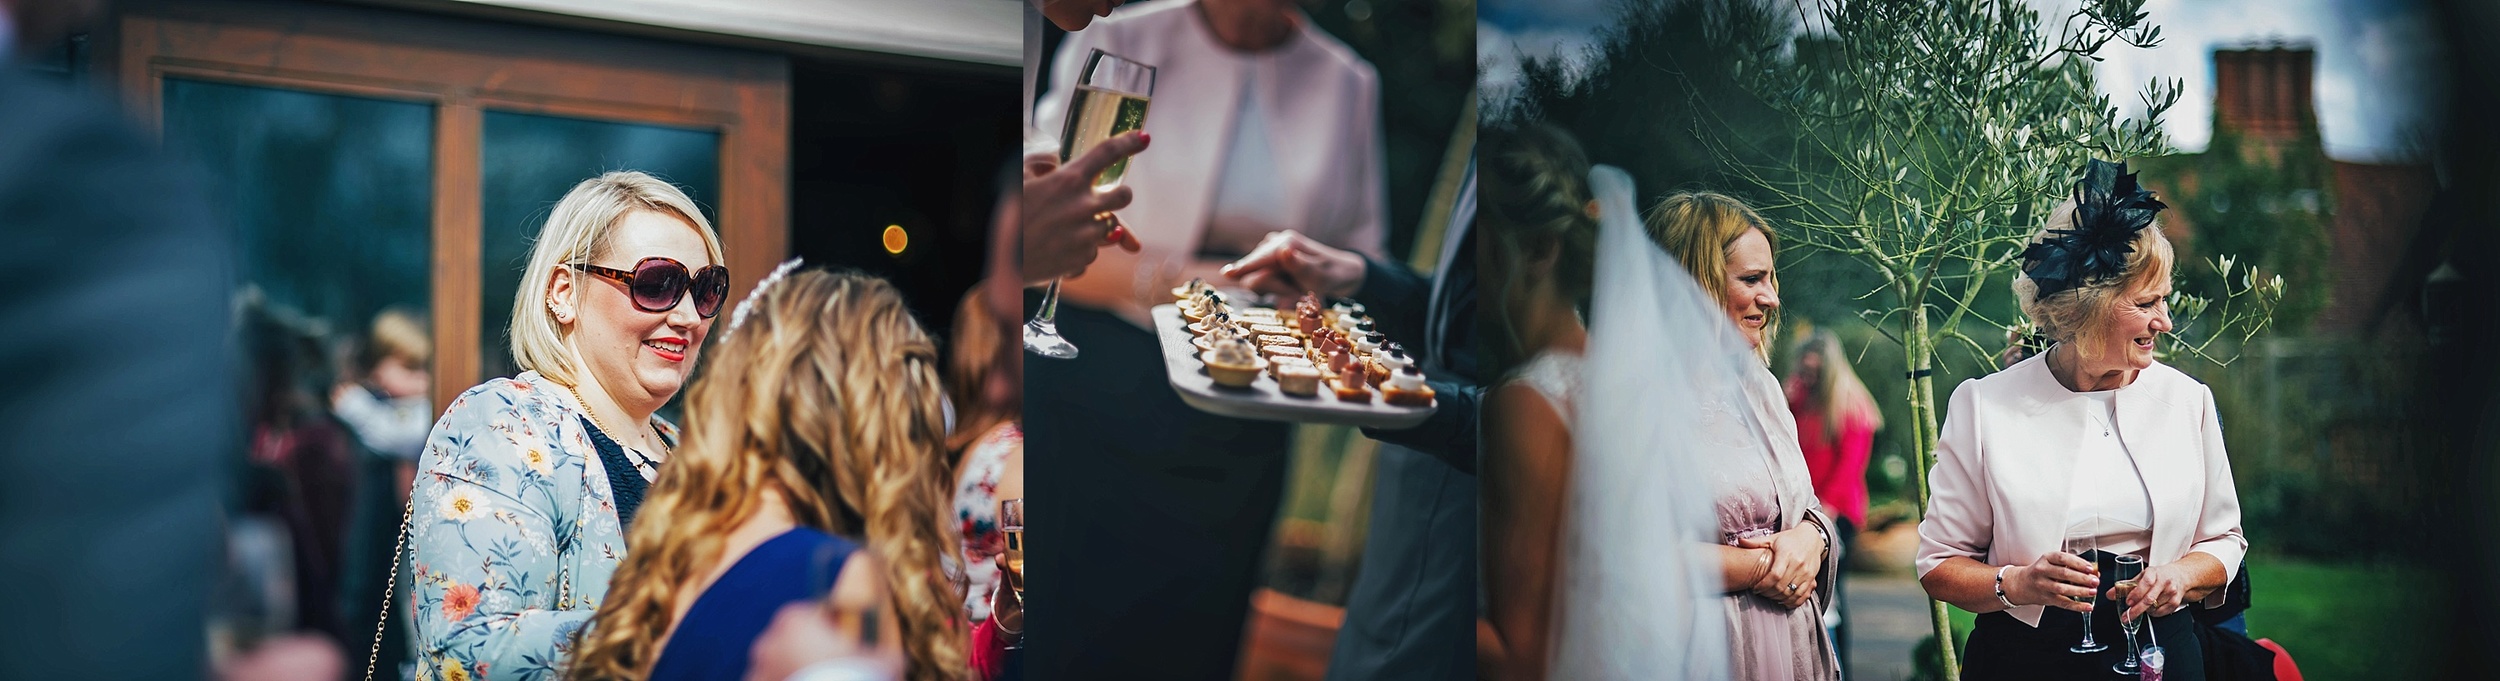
{"x": 2106, "y": 484}
{"x": 1249, "y": 199}
{"x": 1555, "y": 376}
{"x": 393, "y": 428}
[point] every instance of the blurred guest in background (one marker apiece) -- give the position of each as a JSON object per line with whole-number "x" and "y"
{"x": 301, "y": 469}
{"x": 819, "y": 432}
{"x": 1261, "y": 123}
{"x": 1836, "y": 424}
{"x": 384, "y": 401}
{"x": 528, "y": 483}
{"x": 120, "y": 406}
{"x": 988, "y": 447}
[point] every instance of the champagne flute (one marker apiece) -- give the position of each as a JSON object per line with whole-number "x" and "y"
{"x": 1011, "y": 521}
{"x": 2082, "y": 541}
{"x": 2125, "y": 569}
{"x": 1110, "y": 98}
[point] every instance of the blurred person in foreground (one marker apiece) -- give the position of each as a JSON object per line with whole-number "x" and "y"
{"x": 121, "y": 404}
{"x": 1836, "y": 424}
{"x": 2092, "y": 447}
{"x": 1261, "y": 123}
{"x": 527, "y": 483}
{"x": 815, "y": 464}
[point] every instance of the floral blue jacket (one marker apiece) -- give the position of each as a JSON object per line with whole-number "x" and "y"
{"x": 515, "y": 532}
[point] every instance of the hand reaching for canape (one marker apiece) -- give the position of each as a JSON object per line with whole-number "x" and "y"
{"x": 1287, "y": 263}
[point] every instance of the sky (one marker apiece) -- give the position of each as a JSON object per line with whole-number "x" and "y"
{"x": 2379, "y": 61}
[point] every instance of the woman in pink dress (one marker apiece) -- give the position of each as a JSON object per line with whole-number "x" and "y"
{"x": 1836, "y": 424}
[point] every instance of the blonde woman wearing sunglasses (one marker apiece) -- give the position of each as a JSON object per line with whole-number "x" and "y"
{"x": 527, "y": 483}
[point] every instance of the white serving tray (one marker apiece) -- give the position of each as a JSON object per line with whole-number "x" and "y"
{"x": 1262, "y": 400}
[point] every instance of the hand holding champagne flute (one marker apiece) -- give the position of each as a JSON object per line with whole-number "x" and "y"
{"x": 1011, "y": 563}
{"x": 1063, "y": 230}
{"x": 2124, "y": 569}
{"x": 1110, "y": 98}
{"x": 2082, "y": 541}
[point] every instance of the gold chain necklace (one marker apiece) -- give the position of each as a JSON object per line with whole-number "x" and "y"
{"x": 641, "y": 462}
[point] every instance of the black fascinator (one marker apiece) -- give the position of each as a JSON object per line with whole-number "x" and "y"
{"x": 2109, "y": 210}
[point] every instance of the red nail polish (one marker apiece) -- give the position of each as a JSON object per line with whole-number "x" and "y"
{"x": 1143, "y": 137}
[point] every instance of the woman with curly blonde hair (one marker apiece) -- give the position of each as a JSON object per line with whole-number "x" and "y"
{"x": 816, "y": 459}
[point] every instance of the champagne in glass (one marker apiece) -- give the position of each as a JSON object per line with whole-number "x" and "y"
{"x": 2083, "y": 540}
{"x": 1011, "y": 521}
{"x": 1110, "y": 98}
{"x": 2125, "y": 569}
{"x": 1097, "y": 114}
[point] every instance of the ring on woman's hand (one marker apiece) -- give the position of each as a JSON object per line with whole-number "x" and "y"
{"x": 1792, "y": 586}
{"x": 1107, "y": 219}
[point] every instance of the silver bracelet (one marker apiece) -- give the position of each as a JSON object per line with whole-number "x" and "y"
{"x": 2009, "y": 603}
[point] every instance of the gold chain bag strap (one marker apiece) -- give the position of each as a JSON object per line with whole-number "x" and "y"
{"x": 399, "y": 548}
{"x": 389, "y": 585}
{"x": 399, "y": 553}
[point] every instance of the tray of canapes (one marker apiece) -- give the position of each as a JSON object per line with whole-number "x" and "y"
{"x": 1306, "y": 363}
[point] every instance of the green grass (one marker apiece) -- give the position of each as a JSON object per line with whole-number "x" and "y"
{"x": 2344, "y": 620}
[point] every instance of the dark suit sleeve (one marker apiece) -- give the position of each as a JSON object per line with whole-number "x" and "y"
{"x": 1450, "y": 434}
{"x": 1397, "y": 299}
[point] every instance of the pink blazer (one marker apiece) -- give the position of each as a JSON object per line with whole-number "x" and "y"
{"x": 1998, "y": 493}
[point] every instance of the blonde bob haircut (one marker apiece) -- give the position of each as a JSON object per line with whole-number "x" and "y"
{"x": 2073, "y": 315}
{"x": 1698, "y": 228}
{"x": 581, "y": 229}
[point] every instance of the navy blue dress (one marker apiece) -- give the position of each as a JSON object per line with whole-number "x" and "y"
{"x": 713, "y": 640}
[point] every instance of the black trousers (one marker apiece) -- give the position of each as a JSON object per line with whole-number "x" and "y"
{"x": 1150, "y": 519}
{"x": 2002, "y": 647}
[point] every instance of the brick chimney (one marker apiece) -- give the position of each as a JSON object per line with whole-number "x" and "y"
{"x": 2262, "y": 91}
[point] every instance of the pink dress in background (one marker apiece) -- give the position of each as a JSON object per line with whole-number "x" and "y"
{"x": 1838, "y": 467}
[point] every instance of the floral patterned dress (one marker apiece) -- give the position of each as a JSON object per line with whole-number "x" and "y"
{"x": 514, "y": 531}
{"x": 976, "y": 511}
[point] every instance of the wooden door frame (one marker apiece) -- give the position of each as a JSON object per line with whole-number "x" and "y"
{"x": 462, "y": 68}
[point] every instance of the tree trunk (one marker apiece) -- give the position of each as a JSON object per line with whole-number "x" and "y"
{"x": 1918, "y": 350}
